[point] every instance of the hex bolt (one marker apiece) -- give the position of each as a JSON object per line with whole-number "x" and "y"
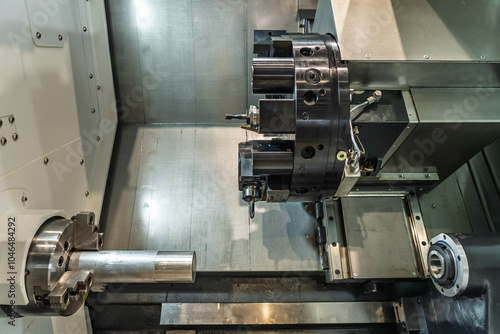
{"x": 84, "y": 29}
{"x": 45, "y": 160}
{"x": 3, "y": 141}
{"x": 11, "y": 119}
{"x": 38, "y": 35}
{"x": 15, "y": 136}
{"x": 60, "y": 37}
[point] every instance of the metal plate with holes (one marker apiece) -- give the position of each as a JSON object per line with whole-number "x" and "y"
{"x": 379, "y": 241}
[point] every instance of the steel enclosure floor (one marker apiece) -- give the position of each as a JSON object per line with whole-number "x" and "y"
{"x": 175, "y": 187}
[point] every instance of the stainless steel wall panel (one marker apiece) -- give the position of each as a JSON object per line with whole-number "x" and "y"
{"x": 125, "y": 57}
{"x": 220, "y": 45}
{"x": 188, "y": 61}
{"x": 166, "y": 48}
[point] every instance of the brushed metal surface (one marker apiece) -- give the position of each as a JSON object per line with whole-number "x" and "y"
{"x": 175, "y": 187}
{"x": 276, "y": 313}
{"x": 125, "y": 59}
{"x": 378, "y": 223}
{"x": 188, "y": 61}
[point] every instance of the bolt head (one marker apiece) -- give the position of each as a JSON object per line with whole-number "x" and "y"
{"x": 60, "y": 37}
{"x": 93, "y": 110}
{"x": 368, "y": 55}
{"x": 84, "y": 29}
{"x": 91, "y": 75}
{"x": 38, "y": 35}
{"x": 82, "y": 161}
{"x": 3, "y": 141}
{"x": 11, "y": 119}
{"x": 45, "y": 160}
{"x": 87, "y": 193}
{"x": 98, "y": 87}
{"x": 15, "y": 136}
{"x": 98, "y": 138}
{"x": 426, "y": 56}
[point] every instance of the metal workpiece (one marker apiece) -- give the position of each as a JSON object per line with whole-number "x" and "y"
{"x": 468, "y": 264}
{"x": 308, "y": 313}
{"x": 136, "y": 266}
{"x": 273, "y": 75}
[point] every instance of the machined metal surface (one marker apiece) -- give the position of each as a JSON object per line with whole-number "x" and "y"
{"x": 277, "y": 313}
{"x": 273, "y": 75}
{"x": 325, "y": 101}
{"x": 136, "y": 266}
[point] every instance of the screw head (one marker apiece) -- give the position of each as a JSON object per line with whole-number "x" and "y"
{"x": 98, "y": 138}
{"x": 98, "y": 87}
{"x": 483, "y": 57}
{"x": 3, "y": 141}
{"x": 60, "y": 37}
{"x": 414, "y": 273}
{"x": 93, "y": 110}
{"x": 426, "y": 56}
{"x": 24, "y": 199}
{"x": 45, "y": 160}
{"x": 11, "y": 119}
{"x": 38, "y": 35}
{"x": 91, "y": 75}
{"x": 15, "y": 136}
{"x": 368, "y": 55}
{"x": 84, "y": 29}
{"x": 1, "y": 122}
{"x": 305, "y": 116}
{"x": 82, "y": 161}
{"x": 355, "y": 274}
{"x": 87, "y": 193}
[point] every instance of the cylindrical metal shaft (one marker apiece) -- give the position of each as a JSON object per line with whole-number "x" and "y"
{"x": 137, "y": 266}
{"x": 272, "y": 162}
{"x": 273, "y": 75}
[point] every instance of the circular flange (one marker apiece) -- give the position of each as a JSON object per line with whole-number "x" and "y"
{"x": 448, "y": 265}
{"x": 322, "y": 117}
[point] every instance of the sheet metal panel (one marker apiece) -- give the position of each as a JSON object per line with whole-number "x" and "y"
{"x": 276, "y": 313}
{"x": 126, "y": 60}
{"x": 378, "y": 223}
{"x": 186, "y": 198}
